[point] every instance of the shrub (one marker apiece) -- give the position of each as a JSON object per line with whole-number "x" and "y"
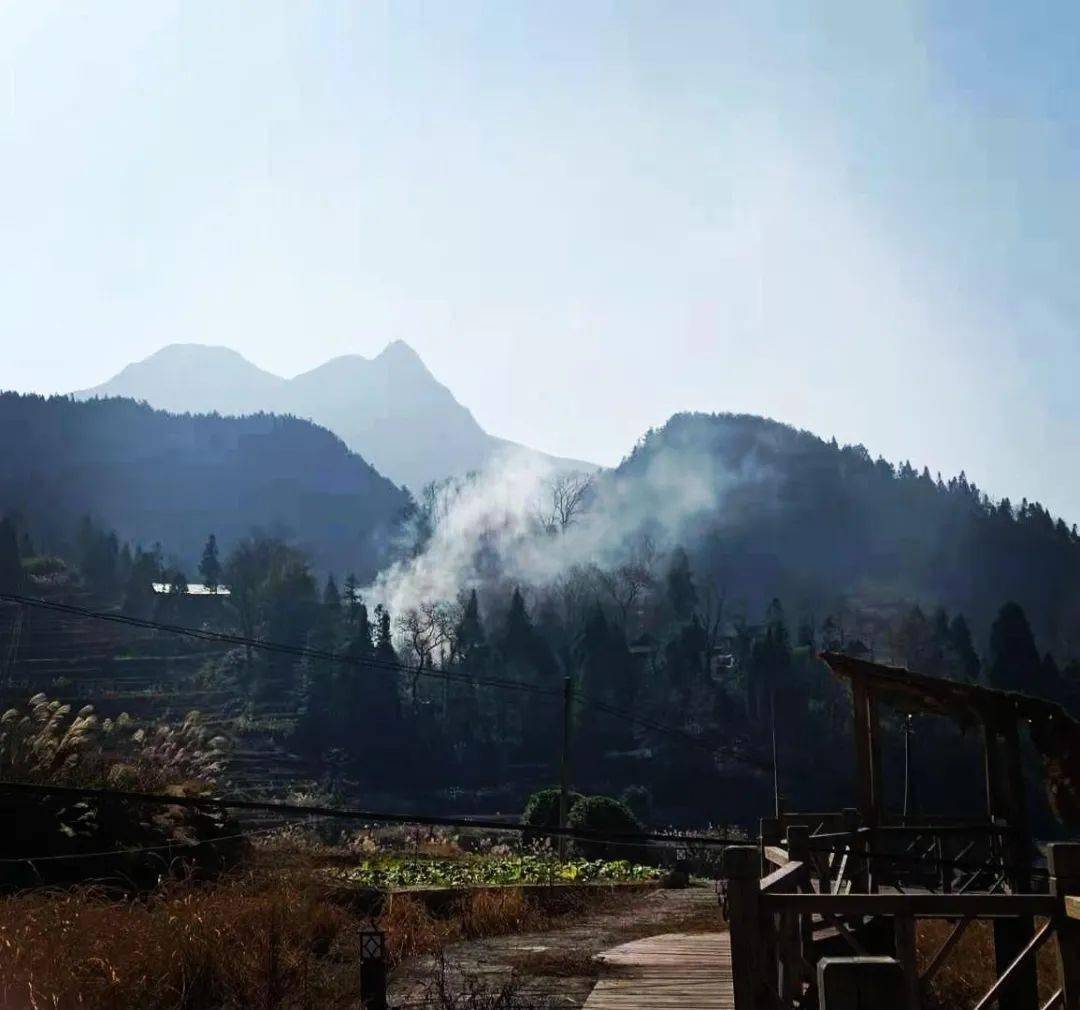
{"x": 542, "y": 808}
{"x": 604, "y": 816}
{"x": 44, "y": 565}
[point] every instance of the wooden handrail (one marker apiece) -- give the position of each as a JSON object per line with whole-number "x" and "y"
{"x": 943, "y": 951}
{"x": 1033, "y": 945}
{"x": 921, "y": 906}
{"x": 788, "y": 874}
{"x": 776, "y": 855}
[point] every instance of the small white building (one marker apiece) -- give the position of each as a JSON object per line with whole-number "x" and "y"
{"x": 193, "y": 589}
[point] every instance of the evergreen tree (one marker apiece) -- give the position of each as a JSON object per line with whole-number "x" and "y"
{"x": 139, "y": 593}
{"x": 964, "y": 658}
{"x": 350, "y": 592}
{"x": 331, "y": 598}
{"x": 384, "y": 641}
{"x": 12, "y": 577}
{"x": 469, "y": 637}
{"x": 362, "y": 636}
{"x": 1014, "y": 660}
{"x": 681, "y": 592}
{"x": 209, "y": 565}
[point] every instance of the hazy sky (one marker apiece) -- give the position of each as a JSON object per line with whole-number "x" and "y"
{"x": 860, "y": 218}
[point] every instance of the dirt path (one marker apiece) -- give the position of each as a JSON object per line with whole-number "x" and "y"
{"x": 557, "y": 965}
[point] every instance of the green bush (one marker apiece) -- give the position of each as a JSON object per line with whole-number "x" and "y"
{"x": 542, "y": 808}
{"x": 41, "y": 565}
{"x": 603, "y": 815}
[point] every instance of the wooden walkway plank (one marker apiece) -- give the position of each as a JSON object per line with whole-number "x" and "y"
{"x": 676, "y": 971}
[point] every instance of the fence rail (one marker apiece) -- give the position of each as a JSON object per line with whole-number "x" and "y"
{"x": 794, "y": 907}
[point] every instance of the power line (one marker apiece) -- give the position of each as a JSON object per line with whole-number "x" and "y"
{"x": 349, "y": 813}
{"x": 434, "y": 820}
{"x": 180, "y": 846}
{"x": 299, "y": 651}
{"x": 307, "y": 652}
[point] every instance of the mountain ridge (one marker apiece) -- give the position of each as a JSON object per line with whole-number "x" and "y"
{"x": 390, "y": 408}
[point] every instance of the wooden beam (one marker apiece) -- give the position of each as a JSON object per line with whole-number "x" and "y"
{"x": 904, "y": 936}
{"x": 943, "y": 951}
{"x": 1064, "y": 861}
{"x": 1025, "y": 957}
{"x": 748, "y": 968}
{"x": 922, "y": 906}
{"x": 864, "y": 762}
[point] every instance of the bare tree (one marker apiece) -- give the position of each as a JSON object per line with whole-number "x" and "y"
{"x": 425, "y": 628}
{"x": 565, "y": 497}
{"x": 629, "y": 582}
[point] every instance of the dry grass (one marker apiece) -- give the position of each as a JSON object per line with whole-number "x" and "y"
{"x": 236, "y": 945}
{"x": 969, "y": 969}
{"x": 258, "y": 941}
{"x": 413, "y": 929}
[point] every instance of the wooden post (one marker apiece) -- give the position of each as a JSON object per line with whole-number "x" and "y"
{"x": 904, "y": 936}
{"x": 798, "y": 846}
{"x": 745, "y": 926}
{"x": 1064, "y": 880}
{"x": 864, "y": 774}
{"x": 1005, "y": 799}
{"x": 860, "y": 983}
{"x": 873, "y": 721}
{"x": 857, "y": 870}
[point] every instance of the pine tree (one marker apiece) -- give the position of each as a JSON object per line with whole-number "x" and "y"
{"x": 362, "y": 635}
{"x": 965, "y": 660}
{"x": 1014, "y": 660}
{"x": 681, "y": 592}
{"x": 331, "y": 598}
{"x": 210, "y": 565}
{"x": 469, "y": 637}
{"x": 12, "y": 577}
{"x": 384, "y": 642}
{"x": 351, "y": 596}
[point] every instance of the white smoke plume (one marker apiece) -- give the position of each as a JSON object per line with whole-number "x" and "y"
{"x": 502, "y": 526}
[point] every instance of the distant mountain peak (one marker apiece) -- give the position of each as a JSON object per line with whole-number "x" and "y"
{"x": 390, "y": 408}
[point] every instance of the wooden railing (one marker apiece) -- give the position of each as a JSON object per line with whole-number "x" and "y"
{"x": 950, "y": 856}
{"x": 817, "y": 897}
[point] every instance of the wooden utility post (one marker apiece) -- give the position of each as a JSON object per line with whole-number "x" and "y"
{"x": 1006, "y": 801}
{"x": 564, "y": 763}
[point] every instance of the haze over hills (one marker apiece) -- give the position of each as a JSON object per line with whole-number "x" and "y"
{"x": 153, "y": 476}
{"x": 390, "y": 409}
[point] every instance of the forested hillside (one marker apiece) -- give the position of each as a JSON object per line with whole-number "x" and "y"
{"x": 768, "y": 511}
{"x": 172, "y": 479}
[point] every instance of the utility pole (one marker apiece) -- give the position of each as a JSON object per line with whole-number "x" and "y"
{"x": 775, "y": 767}
{"x": 907, "y": 763}
{"x": 564, "y": 763}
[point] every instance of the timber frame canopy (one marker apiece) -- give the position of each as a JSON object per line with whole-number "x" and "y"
{"x": 1055, "y": 734}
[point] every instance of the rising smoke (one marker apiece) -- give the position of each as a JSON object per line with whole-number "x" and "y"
{"x": 510, "y": 525}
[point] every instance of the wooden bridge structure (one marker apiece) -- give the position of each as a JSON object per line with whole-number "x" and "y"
{"x": 823, "y": 911}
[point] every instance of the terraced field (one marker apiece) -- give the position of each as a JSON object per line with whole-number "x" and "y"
{"x": 147, "y": 674}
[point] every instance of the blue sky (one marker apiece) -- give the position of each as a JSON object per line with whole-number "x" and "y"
{"x": 861, "y": 218}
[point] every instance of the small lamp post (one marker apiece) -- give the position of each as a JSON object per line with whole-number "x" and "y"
{"x": 373, "y": 968}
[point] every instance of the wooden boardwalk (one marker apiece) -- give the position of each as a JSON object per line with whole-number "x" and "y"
{"x": 676, "y": 971}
